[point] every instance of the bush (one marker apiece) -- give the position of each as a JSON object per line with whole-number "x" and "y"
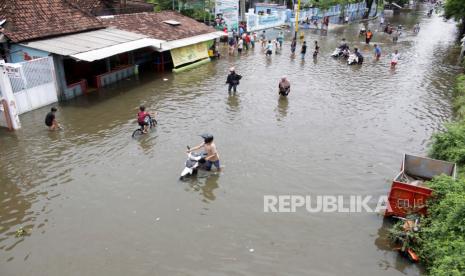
{"x": 441, "y": 244}
{"x": 198, "y": 14}
{"x": 450, "y": 144}
{"x": 459, "y": 97}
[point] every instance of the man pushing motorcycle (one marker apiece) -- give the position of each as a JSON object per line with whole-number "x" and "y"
{"x": 212, "y": 157}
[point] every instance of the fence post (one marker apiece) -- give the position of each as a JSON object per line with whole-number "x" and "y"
{"x": 9, "y": 97}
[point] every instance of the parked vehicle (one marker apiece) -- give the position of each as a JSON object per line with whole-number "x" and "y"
{"x": 408, "y": 194}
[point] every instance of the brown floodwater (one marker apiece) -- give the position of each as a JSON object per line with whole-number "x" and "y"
{"x": 94, "y": 201}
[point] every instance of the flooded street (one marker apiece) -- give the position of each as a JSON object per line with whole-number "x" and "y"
{"x": 94, "y": 201}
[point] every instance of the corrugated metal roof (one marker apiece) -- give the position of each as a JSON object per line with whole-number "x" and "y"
{"x": 118, "y": 49}
{"x": 99, "y": 40}
{"x": 190, "y": 40}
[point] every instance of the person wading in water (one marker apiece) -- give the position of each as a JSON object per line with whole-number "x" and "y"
{"x": 233, "y": 80}
{"x": 51, "y": 121}
{"x": 284, "y": 87}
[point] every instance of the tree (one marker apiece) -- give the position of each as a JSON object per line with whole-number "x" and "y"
{"x": 456, "y": 9}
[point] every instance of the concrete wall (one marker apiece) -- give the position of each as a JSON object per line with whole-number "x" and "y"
{"x": 19, "y": 53}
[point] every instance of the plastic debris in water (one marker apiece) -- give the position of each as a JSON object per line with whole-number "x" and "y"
{"x": 157, "y": 219}
{"x": 251, "y": 250}
{"x": 20, "y": 232}
{"x": 165, "y": 79}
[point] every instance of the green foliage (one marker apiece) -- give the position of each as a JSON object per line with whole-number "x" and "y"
{"x": 198, "y": 14}
{"x": 459, "y": 97}
{"x": 454, "y": 9}
{"x": 161, "y": 5}
{"x": 441, "y": 244}
{"x": 450, "y": 144}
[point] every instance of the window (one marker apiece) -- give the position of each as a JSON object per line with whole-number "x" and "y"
{"x": 402, "y": 203}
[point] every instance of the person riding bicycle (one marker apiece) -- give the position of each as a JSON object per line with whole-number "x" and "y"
{"x": 143, "y": 118}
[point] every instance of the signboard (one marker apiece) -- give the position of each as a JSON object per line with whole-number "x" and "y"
{"x": 229, "y": 10}
{"x": 13, "y": 72}
{"x": 189, "y": 53}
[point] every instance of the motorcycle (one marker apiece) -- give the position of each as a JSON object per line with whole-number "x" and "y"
{"x": 407, "y": 237}
{"x": 345, "y": 53}
{"x": 430, "y": 13}
{"x": 337, "y": 52}
{"x": 352, "y": 60}
{"x": 194, "y": 162}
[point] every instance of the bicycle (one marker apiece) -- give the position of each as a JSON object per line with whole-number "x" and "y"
{"x": 140, "y": 131}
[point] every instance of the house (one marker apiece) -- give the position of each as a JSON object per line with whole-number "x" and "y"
{"x": 89, "y": 51}
{"x": 183, "y": 39}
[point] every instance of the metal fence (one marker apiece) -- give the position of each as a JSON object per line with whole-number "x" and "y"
{"x": 33, "y": 73}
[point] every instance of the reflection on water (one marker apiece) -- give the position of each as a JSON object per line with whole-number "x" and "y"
{"x": 205, "y": 183}
{"x": 89, "y": 195}
{"x": 283, "y": 105}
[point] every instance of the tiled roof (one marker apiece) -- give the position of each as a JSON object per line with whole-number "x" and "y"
{"x": 88, "y": 5}
{"x": 108, "y": 7}
{"x": 151, "y": 24}
{"x": 32, "y": 19}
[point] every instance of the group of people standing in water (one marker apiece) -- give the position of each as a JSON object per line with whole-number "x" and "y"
{"x": 270, "y": 46}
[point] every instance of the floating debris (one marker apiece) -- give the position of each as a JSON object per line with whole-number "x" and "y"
{"x": 251, "y": 250}
{"x": 157, "y": 219}
{"x": 20, "y": 232}
{"x": 164, "y": 79}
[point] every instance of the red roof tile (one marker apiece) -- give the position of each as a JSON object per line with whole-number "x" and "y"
{"x": 32, "y": 19}
{"x": 151, "y": 24}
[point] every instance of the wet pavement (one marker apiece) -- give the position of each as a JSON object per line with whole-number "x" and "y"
{"x": 94, "y": 201}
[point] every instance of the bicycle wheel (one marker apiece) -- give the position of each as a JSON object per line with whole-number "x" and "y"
{"x": 138, "y": 132}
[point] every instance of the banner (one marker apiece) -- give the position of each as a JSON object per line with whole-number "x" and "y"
{"x": 229, "y": 11}
{"x": 259, "y": 22}
{"x": 188, "y": 54}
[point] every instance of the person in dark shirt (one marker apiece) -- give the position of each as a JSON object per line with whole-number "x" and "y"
{"x": 359, "y": 56}
{"x": 233, "y": 80}
{"x": 303, "y": 51}
{"x": 317, "y": 49}
{"x": 293, "y": 45}
{"x": 50, "y": 120}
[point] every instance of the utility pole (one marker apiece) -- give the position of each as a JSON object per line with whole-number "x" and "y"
{"x": 297, "y": 19}
{"x": 242, "y": 7}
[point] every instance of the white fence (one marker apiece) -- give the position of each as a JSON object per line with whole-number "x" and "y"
{"x": 33, "y": 83}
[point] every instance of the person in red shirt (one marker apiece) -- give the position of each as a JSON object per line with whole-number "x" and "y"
{"x": 247, "y": 41}
{"x": 143, "y": 118}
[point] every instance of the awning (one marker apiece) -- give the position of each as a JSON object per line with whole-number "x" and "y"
{"x": 117, "y": 49}
{"x": 189, "y": 41}
{"x": 94, "y": 45}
